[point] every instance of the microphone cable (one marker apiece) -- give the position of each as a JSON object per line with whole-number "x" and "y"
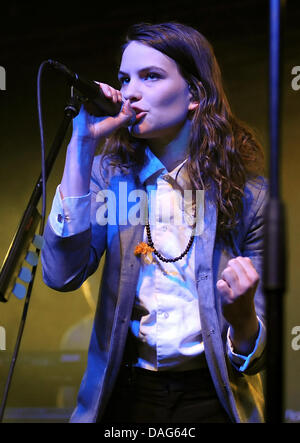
{"x": 43, "y": 161}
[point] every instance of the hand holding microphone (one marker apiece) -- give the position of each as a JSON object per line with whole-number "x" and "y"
{"x": 104, "y": 111}
{"x": 88, "y": 127}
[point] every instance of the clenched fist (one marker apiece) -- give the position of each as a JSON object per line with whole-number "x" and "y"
{"x": 237, "y": 290}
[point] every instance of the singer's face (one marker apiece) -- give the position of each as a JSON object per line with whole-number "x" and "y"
{"x": 157, "y": 91}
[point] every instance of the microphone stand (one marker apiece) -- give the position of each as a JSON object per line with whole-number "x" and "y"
{"x": 275, "y": 254}
{"x": 29, "y": 219}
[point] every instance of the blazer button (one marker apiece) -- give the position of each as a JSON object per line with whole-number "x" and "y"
{"x": 210, "y": 332}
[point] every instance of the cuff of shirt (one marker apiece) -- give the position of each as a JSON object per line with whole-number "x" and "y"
{"x": 71, "y": 215}
{"x": 242, "y": 362}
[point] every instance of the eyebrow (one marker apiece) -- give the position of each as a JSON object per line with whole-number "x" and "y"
{"x": 147, "y": 68}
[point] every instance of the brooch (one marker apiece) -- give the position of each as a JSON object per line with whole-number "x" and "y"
{"x": 145, "y": 251}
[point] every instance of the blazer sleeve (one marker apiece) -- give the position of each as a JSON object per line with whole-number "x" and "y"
{"x": 67, "y": 261}
{"x": 252, "y": 246}
{"x": 253, "y": 243}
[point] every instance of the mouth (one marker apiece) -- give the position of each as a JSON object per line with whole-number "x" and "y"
{"x": 139, "y": 115}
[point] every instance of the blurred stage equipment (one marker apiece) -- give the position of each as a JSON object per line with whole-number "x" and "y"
{"x": 274, "y": 251}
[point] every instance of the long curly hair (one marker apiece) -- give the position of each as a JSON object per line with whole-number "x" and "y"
{"x": 223, "y": 151}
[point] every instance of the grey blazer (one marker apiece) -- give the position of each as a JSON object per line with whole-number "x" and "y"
{"x": 68, "y": 261}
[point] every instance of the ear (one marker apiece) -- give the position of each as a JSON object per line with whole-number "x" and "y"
{"x": 194, "y": 102}
{"x": 193, "y": 105}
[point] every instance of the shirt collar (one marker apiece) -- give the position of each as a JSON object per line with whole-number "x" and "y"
{"x": 153, "y": 166}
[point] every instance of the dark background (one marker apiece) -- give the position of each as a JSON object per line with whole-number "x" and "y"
{"x": 86, "y": 37}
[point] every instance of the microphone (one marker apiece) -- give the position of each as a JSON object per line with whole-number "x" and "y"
{"x": 90, "y": 90}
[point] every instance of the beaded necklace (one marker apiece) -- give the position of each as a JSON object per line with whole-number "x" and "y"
{"x": 158, "y": 254}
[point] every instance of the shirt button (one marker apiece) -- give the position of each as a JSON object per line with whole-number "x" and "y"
{"x": 60, "y": 218}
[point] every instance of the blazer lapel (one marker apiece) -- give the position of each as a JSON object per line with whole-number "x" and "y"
{"x": 204, "y": 252}
{"x": 129, "y": 236}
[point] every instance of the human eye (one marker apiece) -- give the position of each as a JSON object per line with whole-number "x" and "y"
{"x": 151, "y": 75}
{"x": 123, "y": 79}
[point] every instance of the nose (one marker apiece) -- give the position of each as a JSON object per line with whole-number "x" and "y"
{"x": 131, "y": 91}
